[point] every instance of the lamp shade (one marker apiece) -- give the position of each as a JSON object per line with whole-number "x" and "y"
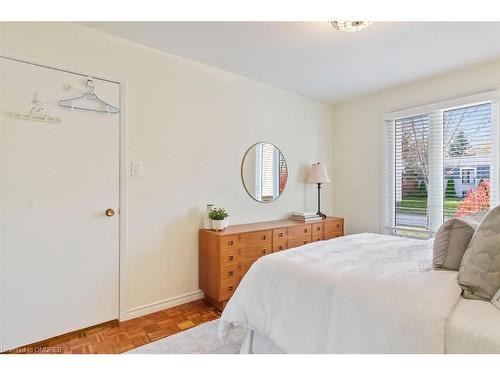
{"x": 318, "y": 174}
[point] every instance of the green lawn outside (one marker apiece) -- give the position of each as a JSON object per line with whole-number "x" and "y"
{"x": 418, "y": 205}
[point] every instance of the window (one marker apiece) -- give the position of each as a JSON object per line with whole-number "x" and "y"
{"x": 441, "y": 162}
{"x": 411, "y": 163}
{"x": 467, "y": 158}
{"x": 467, "y": 177}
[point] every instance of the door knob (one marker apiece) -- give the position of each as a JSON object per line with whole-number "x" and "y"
{"x": 110, "y": 212}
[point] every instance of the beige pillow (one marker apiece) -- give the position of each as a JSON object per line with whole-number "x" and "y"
{"x": 479, "y": 274}
{"x": 452, "y": 239}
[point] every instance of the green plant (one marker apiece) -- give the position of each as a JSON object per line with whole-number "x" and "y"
{"x": 218, "y": 214}
{"x": 422, "y": 190}
{"x": 450, "y": 189}
{"x": 459, "y": 145}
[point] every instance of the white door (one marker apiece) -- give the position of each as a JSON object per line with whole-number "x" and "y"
{"x": 59, "y": 251}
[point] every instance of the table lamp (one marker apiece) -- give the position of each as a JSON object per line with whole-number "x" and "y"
{"x": 318, "y": 175}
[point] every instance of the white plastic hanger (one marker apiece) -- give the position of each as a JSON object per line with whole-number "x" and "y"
{"x": 89, "y": 96}
{"x": 35, "y": 113}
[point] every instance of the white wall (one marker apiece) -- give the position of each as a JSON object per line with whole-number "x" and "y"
{"x": 358, "y": 167}
{"x": 190, "y": 125}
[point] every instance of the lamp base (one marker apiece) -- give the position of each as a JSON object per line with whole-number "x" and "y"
{"x": 319, "y": 213}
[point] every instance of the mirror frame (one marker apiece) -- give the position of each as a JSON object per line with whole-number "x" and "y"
{"x": 243, "y": 180}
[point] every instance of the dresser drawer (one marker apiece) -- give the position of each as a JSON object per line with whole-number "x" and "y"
{"x": 333, "y": 226}
{"x": 255, "y": 238}
{"x": 280, "y": 234}
{"x": 229, "y": 242}
{"x": 227, "y": 290}
{"x": 298, "y": 242}
{"x": 329, "y": 236}
{"x": 252, "y": 253}
{"x": 229, "y": 257}
{"x": 300, "y": 231}
{"x": 245, "y": 266}
{"x": 280, "y": 246}
{"x": 318, "y": 237}
{"x": 317, "y": 228}
{"x": 230, "y": 273}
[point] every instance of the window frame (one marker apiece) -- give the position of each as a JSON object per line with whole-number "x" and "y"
{"x": 435, "y": 110}
{"x": 470, "y": 177}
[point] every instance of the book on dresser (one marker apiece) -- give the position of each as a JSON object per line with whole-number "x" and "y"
{"x": 226, "y": 256}
{"x": 306, "y": 217}
{"x": 310, "y": 220}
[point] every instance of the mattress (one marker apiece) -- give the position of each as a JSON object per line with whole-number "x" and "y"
{"x": 473, "y": 327}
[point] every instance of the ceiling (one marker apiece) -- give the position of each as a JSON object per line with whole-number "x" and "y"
{"x": 313, "y": 59}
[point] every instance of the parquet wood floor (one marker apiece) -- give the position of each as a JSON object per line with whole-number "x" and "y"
{"x": 118, "y": 337}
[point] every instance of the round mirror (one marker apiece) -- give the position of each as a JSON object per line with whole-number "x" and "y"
{"x": 264, "y": 172}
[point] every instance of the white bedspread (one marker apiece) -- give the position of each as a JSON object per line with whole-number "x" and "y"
{"x": 363, "y": 293}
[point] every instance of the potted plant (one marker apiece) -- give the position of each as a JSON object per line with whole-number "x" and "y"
{"x": 219, "y": 218}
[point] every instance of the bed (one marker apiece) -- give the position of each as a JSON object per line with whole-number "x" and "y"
{"x": 364, "y": 293}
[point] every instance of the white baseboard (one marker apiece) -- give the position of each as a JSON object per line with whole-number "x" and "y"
{"x": 135, "y": 312}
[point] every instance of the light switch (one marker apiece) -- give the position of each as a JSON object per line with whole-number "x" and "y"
{"x": 135, "y": 168}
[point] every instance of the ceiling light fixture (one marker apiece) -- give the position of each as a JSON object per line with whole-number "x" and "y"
{"x": 350, "y": 26}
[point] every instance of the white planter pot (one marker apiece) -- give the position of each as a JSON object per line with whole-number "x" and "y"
{"x": 219, "y": 224}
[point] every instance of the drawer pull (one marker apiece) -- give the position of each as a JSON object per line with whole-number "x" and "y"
{"x": 305, "y": 230}
{"x": 230, "y": 273}
{"x": 318, "y": 228}
{"x": 230, "y": 258}
{"x": 231, "y": 243}
{"x": 305, "y": 242}
{"x": 281, "y": 247}
{"x": 230, "y": 288}
{"x": 263, "y": 237}
{"x": 263, "y": 251}
{"x": 280, "y": 235}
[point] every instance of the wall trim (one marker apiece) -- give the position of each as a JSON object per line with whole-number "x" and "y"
{"x": 162, "y": 304}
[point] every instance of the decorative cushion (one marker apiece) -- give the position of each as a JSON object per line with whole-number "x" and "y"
{"x": 479, "y": 274}
{"x": 452, "y": 239}
{"x": 496, "y": 300}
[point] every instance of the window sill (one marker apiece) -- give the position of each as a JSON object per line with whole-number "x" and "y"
{"x": 421, "y": 234}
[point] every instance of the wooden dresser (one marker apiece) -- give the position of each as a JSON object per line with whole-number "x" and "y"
{"x": 226, "y": 256}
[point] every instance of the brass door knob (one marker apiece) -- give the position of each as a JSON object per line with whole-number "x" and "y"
{"x": 110, "y": 212}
